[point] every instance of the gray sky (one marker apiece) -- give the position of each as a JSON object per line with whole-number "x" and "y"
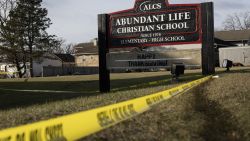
{"x": 76, "y": 20}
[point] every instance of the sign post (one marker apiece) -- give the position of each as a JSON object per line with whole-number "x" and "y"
{"x": 156, "y": 23}
{"x": 104, "y": 74}
{"x": 208, "y": 60}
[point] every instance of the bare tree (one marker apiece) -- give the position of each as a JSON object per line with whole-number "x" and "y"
{"x": 237, "y": 21}
{"x": 63, "y": 47}
{"x": 5, "y": 7}
{"x": 69, "y": 48}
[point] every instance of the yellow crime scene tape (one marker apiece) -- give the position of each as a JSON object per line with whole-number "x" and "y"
{"x": 82, "y": 124}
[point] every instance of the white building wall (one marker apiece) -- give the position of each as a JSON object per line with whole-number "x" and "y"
{"x": 87, "y": 61}
{"x": 2, "y": 67}
{"x": 10, "y": 68}
{"x": 38, "y": 65}
{"x": 235, "y": 54}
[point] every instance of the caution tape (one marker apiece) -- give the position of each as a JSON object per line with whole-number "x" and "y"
{"x": 79, "y": 125}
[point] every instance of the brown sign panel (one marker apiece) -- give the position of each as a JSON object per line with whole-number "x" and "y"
{"x": 155, "y": 22}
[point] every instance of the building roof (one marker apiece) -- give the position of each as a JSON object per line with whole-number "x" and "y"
{"x": 86, "y": 48}
{"x": 221, "y": 43}
{"x": 232, "y": 48}
{"x": 237, "y": 35}
{"x": 66, "y": 57}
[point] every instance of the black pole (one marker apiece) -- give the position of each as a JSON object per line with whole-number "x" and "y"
{"x": 208, "y": 60}
{"x": 104, "y": 74}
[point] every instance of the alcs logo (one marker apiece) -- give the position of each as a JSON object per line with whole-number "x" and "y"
{"x": 147, "y": 5}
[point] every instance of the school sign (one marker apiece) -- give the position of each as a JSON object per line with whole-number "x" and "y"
{"x": 156, "y": 23}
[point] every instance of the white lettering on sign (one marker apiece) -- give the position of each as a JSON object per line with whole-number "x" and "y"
{"x": 153, "y": 40}
{"x": 156, "y": 24}
{"x": 163, "y": 27}
{"x": 152, "y": 28}
{"x": 168, "y": 39}
{"x": 152, "y": 23}
{"x": 179, "y": 16}
{"x": 127, "y": 21}
{"x": 140, "y": 20}
{"x": 147, "y": 6}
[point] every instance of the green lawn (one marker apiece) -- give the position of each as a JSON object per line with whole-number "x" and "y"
{"x": 16, "y": 93}
{"x": 218, "y": 110}
{"x": 186, "y": 117}
{"x": 21, "y": 107}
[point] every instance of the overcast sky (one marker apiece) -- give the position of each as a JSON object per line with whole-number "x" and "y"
{"x": 76, "y": 20}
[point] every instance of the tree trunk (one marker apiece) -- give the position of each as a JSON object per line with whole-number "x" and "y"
{"x": 20, "y": 74}
{"x": 31, "y": 66}
{"x": 31, "y": 60}
{"x": 19, "y": 68}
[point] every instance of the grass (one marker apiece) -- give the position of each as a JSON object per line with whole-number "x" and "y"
{"x": 215, "y": 111}
{"x": 16, "y": 93}
{"x": 19, "y": 108}
{"x": 218, "y": 110}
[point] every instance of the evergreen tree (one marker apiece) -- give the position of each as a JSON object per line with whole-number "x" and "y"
{"x": 23, "y": 36}
{"x": 35, "y": 22}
